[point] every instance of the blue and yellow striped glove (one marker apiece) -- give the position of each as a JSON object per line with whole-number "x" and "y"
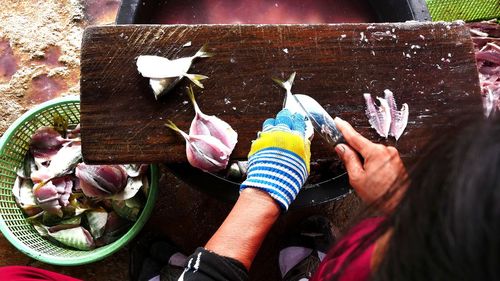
{"x": 278, "y": 162}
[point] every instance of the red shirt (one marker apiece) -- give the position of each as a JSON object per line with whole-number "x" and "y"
{"x": 359, "y": 268}
{"x": 27, "y": 273}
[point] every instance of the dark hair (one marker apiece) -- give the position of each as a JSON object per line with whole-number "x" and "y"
{"x": 447, "y": 225}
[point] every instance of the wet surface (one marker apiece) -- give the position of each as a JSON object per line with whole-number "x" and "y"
{"x": 8, "y": 63}
{"x": 101, "y": 11}
{"x": 261, "y": 11}
{"x": 44, "y": 88}
{"x": 50, "y": 57}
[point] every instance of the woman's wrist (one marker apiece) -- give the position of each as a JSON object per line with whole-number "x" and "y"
{"x": 266, "y": 205}
{"x": 255, "y": 212}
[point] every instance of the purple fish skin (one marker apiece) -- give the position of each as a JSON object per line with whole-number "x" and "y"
{"x": 207, "y": 153}
{"x": 46, "y": 192}
{"x": 490, "y": 55}
{"x": 101, "y": 180}
{"x": 211, "y": 125}
{"x": 204, "y": 152}
{"x": 46, "y": 142}
{"x": 53, "y": 195}
{"x": 488, "y": 62}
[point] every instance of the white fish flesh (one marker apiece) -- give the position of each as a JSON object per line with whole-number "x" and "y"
{"x": 62, "y": 163}
{"x": 379, "y": 117}
{"x": 399, "y": 118}
{"x": 25, "y": 199}
{"x": 164, "y": 73}
{"x": 386, "y": 119}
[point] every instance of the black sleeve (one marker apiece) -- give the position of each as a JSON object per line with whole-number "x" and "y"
{"x": 204, "y": 265}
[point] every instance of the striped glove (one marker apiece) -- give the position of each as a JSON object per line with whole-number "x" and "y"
{"x": 278, "y": 162}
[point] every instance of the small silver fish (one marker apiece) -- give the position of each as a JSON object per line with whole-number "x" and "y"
{"x": 293, "y": 106}
{"x": 164, "y": 73}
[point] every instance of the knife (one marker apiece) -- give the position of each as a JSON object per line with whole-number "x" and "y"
{"x": 322, "y": 121}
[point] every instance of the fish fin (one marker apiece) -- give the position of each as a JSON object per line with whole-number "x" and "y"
{"x": 287, "y": 85}
{"x": 203, "y": 53}
{"x": 174, "y": 127}
{"x": 190, "y": 93}
{"x": 41, "y": 184}
{"x": 196, "y": 78}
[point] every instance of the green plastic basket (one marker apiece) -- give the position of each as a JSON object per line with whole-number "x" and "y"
{"x": 467, "y": 10}
{"x": 13, "y": 147}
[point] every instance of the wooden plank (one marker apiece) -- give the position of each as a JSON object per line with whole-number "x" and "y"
{"x": 430, "y": 66}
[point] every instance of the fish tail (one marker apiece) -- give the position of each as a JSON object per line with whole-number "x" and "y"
{"x": 190, "y": 93}
{"x": 196, "y": 78}
{"x": 203, "y": 53}
{"x": 41, "y": 184}
{"x": 287, "y": 85}
{"x": 174, "y": 127}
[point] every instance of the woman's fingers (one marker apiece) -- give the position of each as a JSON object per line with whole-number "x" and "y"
{"x": 352, "y": 163}
{"x": 353, "y": 138}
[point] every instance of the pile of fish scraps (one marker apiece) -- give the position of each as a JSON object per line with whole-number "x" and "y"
{"x": 486, "y": 38}
{"x": 73, "y": 204}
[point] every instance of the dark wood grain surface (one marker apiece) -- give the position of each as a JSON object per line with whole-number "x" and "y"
{"x": 430, "y": 66}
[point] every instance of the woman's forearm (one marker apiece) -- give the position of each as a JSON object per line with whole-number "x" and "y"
{"x": 241, "y": 234}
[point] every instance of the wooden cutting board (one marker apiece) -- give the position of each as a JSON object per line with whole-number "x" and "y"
{"x": 430, "y": 66}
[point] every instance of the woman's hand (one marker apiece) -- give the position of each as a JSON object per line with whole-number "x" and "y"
{"x": 278, "y": 162}
{"x": 382, "y": 167}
